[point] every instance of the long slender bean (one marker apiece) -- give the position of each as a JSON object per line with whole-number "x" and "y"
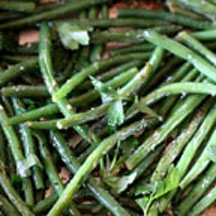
{"x": 176, "y": 18}
{"x": 199, "y": 6}
{"x": 14, "y": 144}
{"x": 197, "y": 190}
{"x": 51, "y": 169}
{"x": 161, "y": 133}
{"x": 18, "y": 70}
{"x": 28, "y": 144}
{"x": 207, "y": 35}
{"x": 73, "y": 165}
{"x": 84, "y": 99}
{"x": 7, "y": 207}
{"x": 90, "y": 70}
{"x": 25, "y": 91}
{"x": 201, "y": 163}
{"x": 203, "y": 203}
{"x": 189, "y": 152}
{"x": 11, "y": 193}
{"x": 129, "y": 36}
{"x": 72, "y": 7}
{"x": 183, "y": 52}
{"x": 124, "y": 22}
{"x": 199, "y": 47}
{"x": 21, "y": 6}
{"x": 90, "y": 163}
{"x": 141, "y": 79}
{"x": 178, "y": 144}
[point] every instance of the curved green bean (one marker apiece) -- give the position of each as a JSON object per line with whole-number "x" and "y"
{"x": 90, "y": 164}
{"x": 170, "y": 17}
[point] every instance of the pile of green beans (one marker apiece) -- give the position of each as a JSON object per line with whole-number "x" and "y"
{"x": 89, "y": 127}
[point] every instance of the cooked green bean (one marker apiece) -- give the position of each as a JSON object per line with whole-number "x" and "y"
{"x": 7, "y": 207}
{"x": 181, "y": 111}
{"x": 25, "y": 91}
{"x": 73, "y": 165}
{"x": 11, "y": 193}
{"x": 197, "y": 191}
{"x": 17, "y": 70}
{"x": 72, "y": 7}
{"x": 51, "y": 170}
{"x": 201, "y": 163}
{"x": 21, "y": 6}
{"x": 200, "y": 48}
{"x": 206, "y": 201}
{"x": 183, "y": 52}
{"x": 163, "y": 15}
{"x": 90, "y": 70}
{"x": 84, "y": 99}
{"x": 124, "y": 22}
{"x": 129, "y": 36}
{"x": 28, "y": 144}
{"x": 179, "y": 143}
{"x": 14, "y": 144}
{"x": 90, "y": 164}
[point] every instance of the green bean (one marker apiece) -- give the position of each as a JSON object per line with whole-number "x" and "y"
{"x": 50, "y": 168}
{"x": 14, "y": 144}
{"x": 46, "y": 204}
{"x": 133, "y": 36}
{"x": 86, "y": 98}
{"x": 21, "y": 6}
{"x": 73, "y": 165}
{"x": 16, "y": 58}
{"x": 18, "y": 70}
{"x": 8, "y": 107}
{"x": 2, "y": 147}
{"x": 90, "y": 164}
{"x": 190, "y": 151}
{"x": 9, "y": 15}
{"x": 132, "y": 48}
{"x": 200, "y": 48}
{"x": 172, "y": 89}
{"x": 163, "y": 15}
{"x": 140, "y": 79}
{"x": 96, "y": 50}
{"x": 111, "y": 73}
{"x": 175, "y": 7}
{"x": 90, "y": 70}
{"x": 194, "y": 144}
{"x": 182, "y": 110}
{"x": 124, "y": 22}
{"x": 48, "y": 163}
{"x": 179, "y": 143}
{"x": 201, "y": 163}
{"x": 12, "y": 194}
{"x": 7, "y": 207}
{"x": 183, "y": 52}
{"x": 28, "y": 144}
{"x": 197, "y": 191}
{"x": 205, "y": 8}
{"x": 203, "y": 203}
{"x": 167, "y": 69}
{"x": 207, "y": 35}
{"x": 71, "y": 8}
{"x": 47, "y": 72}
{"x": 25, "y": 91}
